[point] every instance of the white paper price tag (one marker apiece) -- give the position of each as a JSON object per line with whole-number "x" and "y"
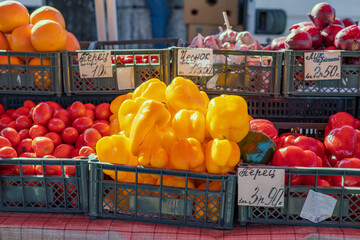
{"x": 125, "y": 78}
{"x": 195, "y": 62}
{"x": 261, "y": 187}
{"x": 95, "y": 64}
{"x": 322, "y": 65}
{"x": 318, "y": 207}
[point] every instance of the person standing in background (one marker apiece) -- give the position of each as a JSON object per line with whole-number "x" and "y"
{"x": 159, "y": 12}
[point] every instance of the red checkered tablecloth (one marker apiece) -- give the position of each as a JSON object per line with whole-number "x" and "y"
{"x": 34, "y": 226}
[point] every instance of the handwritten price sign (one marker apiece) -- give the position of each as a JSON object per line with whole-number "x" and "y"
{"x": 195, "y": 62}
{"x": 322, "y": 65}
{"x": 95, "y": 64}
{"x": 263, "y": 187}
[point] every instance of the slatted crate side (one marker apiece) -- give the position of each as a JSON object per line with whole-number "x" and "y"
{"x": 160, "y": 202}
{"x": 294, "y": 83}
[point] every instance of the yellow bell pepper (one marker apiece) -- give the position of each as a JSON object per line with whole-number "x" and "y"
{"x": 116, "y": 149}
{"x": 213, "y": 205}
{"x": 184, "y": 94}
{"x": 151, "y": 118}
{"x": 221, "y": 156}
{"x": 114, "y": 127}
{"x": 113, "y": 117}
{"x": 151, "y": 89}
{"x": 116, "y": 103}
{"x": 127, "y": 112}
{"x": 154, "y": 156}
{"x": 189, "y": 123}
{"x": 227, "y": 118}
{"x": 186, "y": 154}
{"x": 206, "y": 98}
{"x": 166, "y": 139}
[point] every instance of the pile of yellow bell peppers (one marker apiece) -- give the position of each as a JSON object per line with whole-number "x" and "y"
{"x": 174, "y": 127}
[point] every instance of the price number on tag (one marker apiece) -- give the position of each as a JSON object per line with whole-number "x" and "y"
{"x": 274, "y": 198}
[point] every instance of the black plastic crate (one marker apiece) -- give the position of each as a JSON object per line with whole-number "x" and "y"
{"x": 300, "y": 109}
{"x": 184, "y": 206}
{"x": 239, "y": 72}
{"x": 45, "y": 193}
{"x": 40, "y": 79}
{"x": 346, "y": 212}
{"x": 315, "y": 130}
{"x": 294, "y": 81}
{"x": 158, "y": 66}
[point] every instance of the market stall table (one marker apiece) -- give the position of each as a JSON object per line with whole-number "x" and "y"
{"x": 15, "y": 225}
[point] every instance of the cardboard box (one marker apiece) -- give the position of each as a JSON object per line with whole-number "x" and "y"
{"x": 210, "y": 11}
{"x": 206, "y": 30}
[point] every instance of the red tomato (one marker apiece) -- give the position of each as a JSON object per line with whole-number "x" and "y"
{"x": 70, "y": 170}
{"x": 42, "y": 114}
{"x": 10, "y": 112}
{"x": 69, "y": 135}
{"x": 102, "y": 111}
{"x": 12, "y": 124}
{"x": 24, "y": 133}
{"x": 24, "y": 146}
{"x": 56, "y": 125}
{"x": 4, "y": 121}
{"x": 91, "y": 136}
{"x": 55, "y": 137}
{"x": 86, "y": 151}
{"x": 64, "y": 116}
{"x": 4, "y": 142}
{"x": 26, "y": 169}
{"x": 7, "y": 152}
{"x": 28, "y": 155}
{"x": 21, "y": 111}
{"x": 49, "y": 170}
{"x": 90, "y": 114}
{"x": 89, "y": 106}
{"x": 49, "y": 156}
{"x": 43, "y": 146}
{"x": 29, "y": 104}
{"x": 103, "y": 128}
{"x": 75, "y": 152}
{"x": 23, "y": 122}
{"x": 63, "y": 151}
{"x": 80, "y": 141}
{"x": 54, "y": 105}
{"x": 82, "y": 123}
{"x": 12, "y": 135}
{"x": 77, "y": 109}
{"x": 37, "y": 131}
{"x": 102, "y": 121}
{"x": 2, "y": 109}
